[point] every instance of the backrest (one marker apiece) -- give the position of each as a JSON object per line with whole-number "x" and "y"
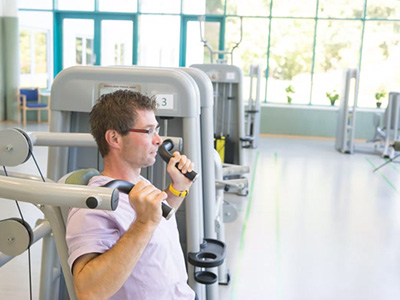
{"x": 32, "y": 94}
{"x": 80, "y": 177}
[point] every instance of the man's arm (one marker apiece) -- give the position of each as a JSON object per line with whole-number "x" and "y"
{"x": 99, "y": 276}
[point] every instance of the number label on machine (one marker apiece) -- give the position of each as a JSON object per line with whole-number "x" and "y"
{"x": 230, "y": 76}
{"x": 165, "y": 101}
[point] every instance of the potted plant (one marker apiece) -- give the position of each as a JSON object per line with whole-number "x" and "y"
{"x": 333, "y": 96}
{"x": 378, "y": 97}
{"x": 289, "y": 90}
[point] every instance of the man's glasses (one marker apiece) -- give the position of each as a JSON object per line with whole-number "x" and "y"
{"x": 150, "y": 132}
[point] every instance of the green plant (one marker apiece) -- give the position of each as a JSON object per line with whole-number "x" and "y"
{"x": 289, "y": 90}
{"x": 378, "y": 97}
{"x": 333, "y": 96}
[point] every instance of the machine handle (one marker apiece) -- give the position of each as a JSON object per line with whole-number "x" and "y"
{"x": 126, "y": 186}
{"x": 164, "y": 149}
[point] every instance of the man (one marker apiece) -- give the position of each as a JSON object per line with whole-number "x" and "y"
{"x": 132, "y": 252}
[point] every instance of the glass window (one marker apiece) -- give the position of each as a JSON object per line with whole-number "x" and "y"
{"x": 25, "y": 51}
{"x": 212, "y": 7}
{"x": 252, "y": 49}
{"x": 196, "y": 51}
{"x": 294, "y": 8}
{"x": 248, "y": 8}
{"x": 116, "y": 42}
{"x": 35, "y": 48}
{"x": 336, "y": 49}
{"x": 211, "y": 35}
{"x": 118, "y": 5}
{"x": 160, "y": 6}
{"x": 83, "y": 5}
{"x": 191, "y": 7}
{"x": 383, "y": 9}
{"x": 89, "y": 51}
{"x": 380, "y": 67}
{"x": 201, "y": 7}
{"x": 41, "y": 51}
{"x": 37, "y": 4}
{"x": 159, "y": 41}
{"x": 78, "y": 37}
{"x": 194, "y": 45}
{"x": 341, "y": 8}
{"x": 78, "y": 51}
{"x": 290, "y": 61}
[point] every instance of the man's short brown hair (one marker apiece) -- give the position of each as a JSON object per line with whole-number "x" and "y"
{"x": 117, "y": 111}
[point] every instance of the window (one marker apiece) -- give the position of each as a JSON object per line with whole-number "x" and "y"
{"x": 82, "y": 5}
{"x": 84, "y": 51}
{"x": 116, "y": 42}
{"x": 118, "y": 5}
{"x": 78, "y": 35}
{"x": 159, "y": 45}
{"x": 303, "y": 46}
{"x": 35, "y": 49}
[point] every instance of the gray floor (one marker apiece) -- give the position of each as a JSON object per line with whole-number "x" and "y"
{"x": 317, "y": 225}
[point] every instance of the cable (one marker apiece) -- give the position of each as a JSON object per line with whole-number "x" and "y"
{"x": 29, "y": 247}
{"x": 37, "y": 165}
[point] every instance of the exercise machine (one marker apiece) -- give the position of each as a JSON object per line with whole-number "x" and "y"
{"x": 252, "y": 112}
{"x": 74, "y": 92}
{"x": 345, "y": 129}
{"x": 221, "y": 59}
{"x": 54, "y": 200}
{"x": 17, "y": 236}
{"x": 387, "y": 134}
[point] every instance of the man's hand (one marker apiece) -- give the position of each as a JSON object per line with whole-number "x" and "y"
{"x": 146, "y": 200}
{"x": 179, "y": 181}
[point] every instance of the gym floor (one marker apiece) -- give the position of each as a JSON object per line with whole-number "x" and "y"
{"x": 317, "y": 224}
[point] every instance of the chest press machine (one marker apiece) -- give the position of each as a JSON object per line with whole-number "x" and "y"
{"x": 53, "y": 199}
{"x": 75, "y": 91}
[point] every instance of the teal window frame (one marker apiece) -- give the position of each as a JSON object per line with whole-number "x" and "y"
{"x": 59, "y": 17}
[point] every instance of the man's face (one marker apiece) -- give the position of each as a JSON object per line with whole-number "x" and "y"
{"x": 140, "y": 149}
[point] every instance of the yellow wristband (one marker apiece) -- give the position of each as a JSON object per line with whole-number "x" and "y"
{"x": 178, "y": 193}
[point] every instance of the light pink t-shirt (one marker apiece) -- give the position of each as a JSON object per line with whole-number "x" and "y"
{"x": 160, "y": 272}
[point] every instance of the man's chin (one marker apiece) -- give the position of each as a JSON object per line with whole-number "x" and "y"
{"x": 149, "y": 162}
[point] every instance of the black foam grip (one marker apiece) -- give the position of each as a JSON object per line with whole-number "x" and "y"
{"x": 164, "y": 149}
{"x": 126, "y": 186}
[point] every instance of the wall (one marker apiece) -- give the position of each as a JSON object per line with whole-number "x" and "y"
{"x": 313, "y": 121}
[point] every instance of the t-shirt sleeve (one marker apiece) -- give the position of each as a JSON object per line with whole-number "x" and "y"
{"x": 89, "y": 231}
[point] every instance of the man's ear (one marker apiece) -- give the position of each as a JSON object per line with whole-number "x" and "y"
{"x": 113, "y": 139}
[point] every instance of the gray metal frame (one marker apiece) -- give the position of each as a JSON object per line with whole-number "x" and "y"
{"x": 253, "y": 110}
{"x": 228, "y": 118}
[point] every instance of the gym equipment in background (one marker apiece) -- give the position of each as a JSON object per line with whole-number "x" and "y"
{"x": 387, "y": 135}
{"x": 221, "y": 53}
{"x": 252, "y": 111}
{"x": 228, "y": 110}
{"x": 347, "y": 118}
